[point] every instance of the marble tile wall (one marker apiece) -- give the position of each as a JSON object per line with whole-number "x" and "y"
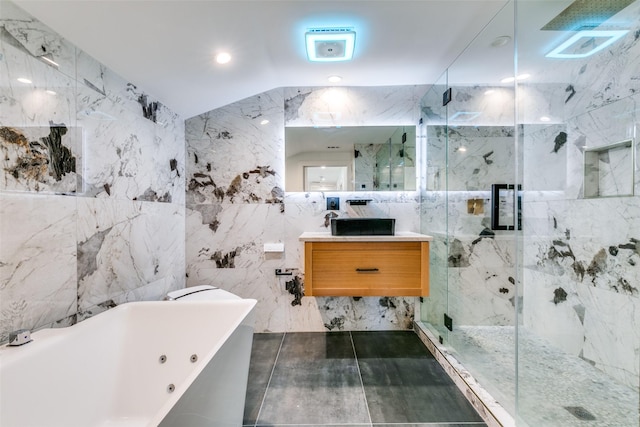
{"x": 581, "y": 258}
{"x": 236, "y": 203}
{"x": 91, "y": 185}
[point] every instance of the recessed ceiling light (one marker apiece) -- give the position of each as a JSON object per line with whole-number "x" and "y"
{"x": 264, "y": 122}
{"x": 545, "y": 119}
{"x": 590, "y": 39}
{"x": 223, "y": 58}
{"x": 330, "y": 44}
{"x": 334, "y": 79}
{"x": 24, "y": 80}
{"x": 500, "y": 41}
{"x": 51, "y": 92}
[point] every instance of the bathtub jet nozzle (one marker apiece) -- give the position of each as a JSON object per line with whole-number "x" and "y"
{"x": 19, "y": 337}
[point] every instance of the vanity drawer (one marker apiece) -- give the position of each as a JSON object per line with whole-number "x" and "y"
{"x": 366, "y": 268}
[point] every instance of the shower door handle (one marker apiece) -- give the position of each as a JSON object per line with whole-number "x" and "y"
{"x": 498, "y": 215}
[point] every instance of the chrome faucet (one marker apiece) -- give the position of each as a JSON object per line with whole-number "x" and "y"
{"x": 19, "y": 337}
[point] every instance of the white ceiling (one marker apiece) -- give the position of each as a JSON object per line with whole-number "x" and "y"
{"x": 166, "y": 47}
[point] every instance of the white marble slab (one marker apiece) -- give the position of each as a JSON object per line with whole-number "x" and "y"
{"x": 232, "y": 212}
{"x": 38, "y": 277}
{"x": 124, "y": 246}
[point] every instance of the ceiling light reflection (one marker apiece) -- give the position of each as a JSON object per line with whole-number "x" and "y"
{"x": 223, "y": 58}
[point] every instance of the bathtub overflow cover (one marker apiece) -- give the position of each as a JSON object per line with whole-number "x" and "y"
{"x": 194, "y": 358}
{"x": 162, "y": 358}
{"x": 171, "y": 388}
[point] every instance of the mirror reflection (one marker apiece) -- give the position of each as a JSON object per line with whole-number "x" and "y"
{"x": 353, "y": 158}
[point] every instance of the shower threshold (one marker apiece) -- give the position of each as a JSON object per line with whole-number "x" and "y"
{"x": 554, "y": 388}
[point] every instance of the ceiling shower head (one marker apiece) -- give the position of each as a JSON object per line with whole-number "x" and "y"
{"x": 585, "y": 14}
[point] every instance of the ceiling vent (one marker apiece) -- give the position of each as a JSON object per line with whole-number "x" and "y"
{"x": 330, "y": 44}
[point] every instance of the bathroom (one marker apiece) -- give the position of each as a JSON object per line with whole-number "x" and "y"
{"x": 138, "y": 216}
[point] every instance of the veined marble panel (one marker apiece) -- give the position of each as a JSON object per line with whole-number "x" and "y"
{"x": 610, "y": 75}
{"x": 40, "y": 159}
{"x": 37, "y": 261}
{"x": 124, "y": 246}
{"x": 35, "y": 39}
{"x": 595, "y": 253}
{"x": 37, "y": 103}
{"x": 40, "y": 143}
{"x": 104, "y": 81}
{"x": 477, "y": 157}
{"x": 553, "y": 309}
{"x": 612, "y": 334}
{"x": 125, "y": 156}
{"x": 231, "y": 236}
{"x": 352, "y": 106}
{"x": 473, "y": 267}
{"x": 472, "y": 106}
{"x": 433, "y": 212}
{"x": 541, "y": 104}
{"x": 232, "y": 157}
{"x": 545, "y": 157}
{"x": 216, "y": 229}
{"x": 581, "y": 272}
{"x": 235, "y": 205}
{"x": 482, "y": 291}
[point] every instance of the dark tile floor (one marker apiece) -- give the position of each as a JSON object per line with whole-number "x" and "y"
{"x": 351, "y": 378}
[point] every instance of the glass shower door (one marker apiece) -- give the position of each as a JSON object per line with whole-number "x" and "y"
{"x": 547, "y": 317}
{"x": 434, "y": 208}
{"x": 482, "y": 227}
{"x": 578, "y": 341}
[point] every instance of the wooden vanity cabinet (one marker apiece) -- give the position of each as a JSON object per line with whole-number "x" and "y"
{"x": 390, "y": 268}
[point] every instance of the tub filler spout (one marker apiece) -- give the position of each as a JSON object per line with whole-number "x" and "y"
{"x": 19, "y": 337}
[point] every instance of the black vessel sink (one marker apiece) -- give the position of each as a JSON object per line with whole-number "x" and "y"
{"x": 363, "y": 226}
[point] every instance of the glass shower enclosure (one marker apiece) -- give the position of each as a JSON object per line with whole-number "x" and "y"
{"x": 529, "y": 189}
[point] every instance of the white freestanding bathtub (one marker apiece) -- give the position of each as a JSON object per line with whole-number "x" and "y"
{"x": 139, "y": 364}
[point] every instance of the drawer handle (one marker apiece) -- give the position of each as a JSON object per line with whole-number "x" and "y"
{"x": 366, "y": 270}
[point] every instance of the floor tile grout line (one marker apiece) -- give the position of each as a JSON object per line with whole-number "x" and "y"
{"x": 266, "y": 390}
{"x": 364, "y": 394}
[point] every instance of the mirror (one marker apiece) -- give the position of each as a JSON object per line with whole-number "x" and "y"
{"x": 351, "y": 158}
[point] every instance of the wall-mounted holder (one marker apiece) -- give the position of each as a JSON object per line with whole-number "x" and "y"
{"x": 274, "y": 247}
{"x": 284, "y": 272}
{"x": 446, "y": 97}
{"x": 506, "y": 203}
{"x": 358, "y": 202}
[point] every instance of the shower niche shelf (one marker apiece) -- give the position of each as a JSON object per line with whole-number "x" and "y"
{"x": 609, "y": 170}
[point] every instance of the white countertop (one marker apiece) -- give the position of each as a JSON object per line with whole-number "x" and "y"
{"x": 400, "y": 236}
